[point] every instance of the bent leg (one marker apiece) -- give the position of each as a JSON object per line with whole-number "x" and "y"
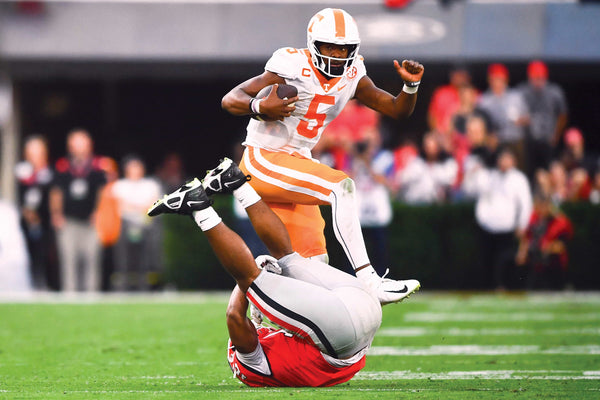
{"x": 270, "y": 229}
{"x": 305, "y": 226}
{"x": 346, "y": 225}
{"x": 317, "y": 272}
{"x": 283, "y": 178}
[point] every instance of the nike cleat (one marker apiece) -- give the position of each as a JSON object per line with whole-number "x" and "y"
{"x": 185, "y": 200}
{"x": 225, "y": 178}
{"x": 390, "y": 291}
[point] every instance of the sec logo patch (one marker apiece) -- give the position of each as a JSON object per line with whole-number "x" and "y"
{"x": 352, "y": 73}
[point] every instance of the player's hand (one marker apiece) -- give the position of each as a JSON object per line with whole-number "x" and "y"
{"x": 409, "y": 70}
{"x": 275, "y": 108}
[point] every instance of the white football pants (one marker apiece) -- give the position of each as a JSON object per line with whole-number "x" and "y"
{"x": 318, "y": 302}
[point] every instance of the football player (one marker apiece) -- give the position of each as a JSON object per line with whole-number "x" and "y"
{"x": 327, "y": 75}
{"x": 328, "y": 317}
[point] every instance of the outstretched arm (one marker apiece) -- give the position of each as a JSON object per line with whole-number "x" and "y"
{"x": 241, "y": 330}
{"x": 378, "y": 99}
{"x": 237, "y": 101}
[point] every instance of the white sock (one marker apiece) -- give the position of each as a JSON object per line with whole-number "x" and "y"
{"x": 346, "y": 225}
{"x": 246, "y": 195}
{"x": 367, "y": 273}
{"x": 206, "y": 218}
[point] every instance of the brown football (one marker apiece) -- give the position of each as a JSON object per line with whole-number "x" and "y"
{"x": 284, "y": 91}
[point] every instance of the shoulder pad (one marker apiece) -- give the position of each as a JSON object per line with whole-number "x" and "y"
{"x": 285, "y": 62}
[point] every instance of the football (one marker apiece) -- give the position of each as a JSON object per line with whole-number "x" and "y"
{"x": 284, "y": 91}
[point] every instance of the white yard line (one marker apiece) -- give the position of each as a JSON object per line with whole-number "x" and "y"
{"x": 114, "y": 298}
{"x": 481, "y": 350}
{"x": 426, "y": 331}
{"x": 468, "y": 375}
{"x": 499, "y": 317}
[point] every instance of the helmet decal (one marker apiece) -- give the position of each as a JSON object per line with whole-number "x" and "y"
{"x": 340, "y": 24}
{"x": 317, "y": 16}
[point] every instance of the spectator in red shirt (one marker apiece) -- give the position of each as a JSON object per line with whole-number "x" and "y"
{"x": 579, "y": 164}
{"x": 445, "y": 100}
{"x": 543, "y": 247}
{"x": 355, "y": 124}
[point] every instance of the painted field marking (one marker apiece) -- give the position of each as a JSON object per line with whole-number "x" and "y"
{"x": 513, "y": 301}
{"x": 498, "y": 317}
{"x": 480, "y": 350}
{"x": 425, "y": 331}
{"x": 468, "y": 375}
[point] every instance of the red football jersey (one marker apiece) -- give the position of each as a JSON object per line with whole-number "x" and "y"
{"x": 294, "y": 362}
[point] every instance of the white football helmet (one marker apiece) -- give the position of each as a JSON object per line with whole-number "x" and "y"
{"x": 332, "y": 25}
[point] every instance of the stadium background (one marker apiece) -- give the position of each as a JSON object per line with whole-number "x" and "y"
{"x": 148, "y": 76}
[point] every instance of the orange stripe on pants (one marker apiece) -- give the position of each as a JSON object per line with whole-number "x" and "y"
{"x": 299, "y": 212}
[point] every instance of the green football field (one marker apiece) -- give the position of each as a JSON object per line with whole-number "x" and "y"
{"x": 433, "y": 346}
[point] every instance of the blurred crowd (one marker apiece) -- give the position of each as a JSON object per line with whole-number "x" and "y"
{"x": 84, "y": 219}
{"x": 507, "y": 148}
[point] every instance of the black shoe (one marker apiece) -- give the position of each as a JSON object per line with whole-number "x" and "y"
{"x": 225, "y": 178}
{"x": 185, "y": 200}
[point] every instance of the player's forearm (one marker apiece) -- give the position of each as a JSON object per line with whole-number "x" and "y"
{"x": 241, "y": 331}
{"x": 236, "y": 102}
{"x": 400, "y": 106}
{"x": 404, "y": 105}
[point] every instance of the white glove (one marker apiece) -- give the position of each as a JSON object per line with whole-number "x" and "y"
{"x": 268, "y": 263}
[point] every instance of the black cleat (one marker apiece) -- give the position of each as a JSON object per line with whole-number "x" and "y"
{"x": 185, "y": 200}
{"x": 225, "y": 178}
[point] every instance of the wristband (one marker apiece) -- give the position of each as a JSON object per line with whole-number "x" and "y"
{"x": 255, "y": 105}
{"x": 411, "y": 89}
{"x": 206, "y": 218}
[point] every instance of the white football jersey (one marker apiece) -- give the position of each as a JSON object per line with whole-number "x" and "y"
{"x": 319, "y": 102}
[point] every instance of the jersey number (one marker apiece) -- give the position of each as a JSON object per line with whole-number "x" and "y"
{"x": 312, "y": 113}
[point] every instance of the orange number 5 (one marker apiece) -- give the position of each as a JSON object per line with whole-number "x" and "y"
{"x": 312, "y": 113}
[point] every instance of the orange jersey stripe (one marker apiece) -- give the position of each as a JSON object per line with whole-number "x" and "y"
{"x": 340, "y": 23}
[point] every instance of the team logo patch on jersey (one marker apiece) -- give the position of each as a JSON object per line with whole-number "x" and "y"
{"x": 352, "y": 72}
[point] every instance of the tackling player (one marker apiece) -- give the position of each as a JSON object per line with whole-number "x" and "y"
{"x": 329, "y": 317}
{"x": 327, "y": 75}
